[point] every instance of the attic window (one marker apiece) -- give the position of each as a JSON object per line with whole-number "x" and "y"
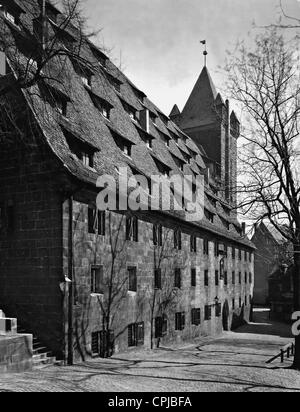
{"x": 116, "y": 83}
{"x": 82, "y": 150}
{"x": 85, "y": 73}
{"x": 153, "y": 117}
{"x": 209, "y": 215}
{"x": 51, "y": 12}
{"x": 179, "y": 163}
{"x": 163, "y": 168}
{"x": 11, "y": 13}
{"x": 102, "y": 105}
{"x": 56, "y": 98}
{"x": 164, "y": 118}
{"x": 101, "y": 57}
{"x": 146, "y": 137}
{"x": 165, "y": 138}
{"x": 139, "y": 94}
{"x": 124, "y": 144}
{"x": 130, "y": 110}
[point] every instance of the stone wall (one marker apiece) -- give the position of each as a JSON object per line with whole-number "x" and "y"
{"x": 130, "y": 307}
{"x": 31, "y": 243}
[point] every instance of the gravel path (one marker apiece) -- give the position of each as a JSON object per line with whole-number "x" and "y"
{"x": 233, "y": 362}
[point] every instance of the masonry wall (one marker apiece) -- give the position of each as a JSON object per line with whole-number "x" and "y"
{"x": 91, "y": 249}
{"x": 31, "y": 243}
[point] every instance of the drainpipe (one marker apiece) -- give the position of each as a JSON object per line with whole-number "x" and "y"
{"x": 70, "y": 284}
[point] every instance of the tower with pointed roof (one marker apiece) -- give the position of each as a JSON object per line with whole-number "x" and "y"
{"x": 207, "y": 119}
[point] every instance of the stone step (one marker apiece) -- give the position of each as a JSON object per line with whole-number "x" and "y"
{"x": 41, "y": 356}
{"x": 42, "y": 363}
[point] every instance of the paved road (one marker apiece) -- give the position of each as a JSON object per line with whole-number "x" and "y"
{"x": 233, "y": 362}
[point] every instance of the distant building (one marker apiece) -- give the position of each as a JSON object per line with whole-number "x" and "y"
{"x": 271, "y": 251}
{"x": 59, "y": 263}
{"x": 281, "y": 289}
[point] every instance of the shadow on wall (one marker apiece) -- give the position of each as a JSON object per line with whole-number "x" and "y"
{"x": 238, "y": 320}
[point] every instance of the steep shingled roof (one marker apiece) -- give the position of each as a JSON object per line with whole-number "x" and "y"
{"x": 198, "y": 108}
{"x": 89, "y": 125}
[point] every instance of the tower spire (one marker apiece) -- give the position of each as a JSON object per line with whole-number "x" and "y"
{"x": 205, "y": 53}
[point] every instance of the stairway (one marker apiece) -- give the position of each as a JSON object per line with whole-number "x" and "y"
{"x": 42, "y": 357}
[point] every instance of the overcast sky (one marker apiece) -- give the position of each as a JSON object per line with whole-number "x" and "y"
{"x": 159, "y": 39}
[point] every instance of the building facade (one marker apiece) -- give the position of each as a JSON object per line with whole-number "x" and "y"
{"x": 272, "y": 250}
{"x": 90, "y": 282}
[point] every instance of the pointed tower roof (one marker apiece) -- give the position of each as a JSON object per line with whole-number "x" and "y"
{"x": 175, "y": 111}
{"x": 198, "y": 109}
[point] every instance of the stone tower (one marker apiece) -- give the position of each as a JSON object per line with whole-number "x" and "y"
{"x": 207, "y": 119}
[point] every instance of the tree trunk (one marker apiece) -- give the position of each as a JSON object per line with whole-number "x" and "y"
{"x": 296, "y": 364}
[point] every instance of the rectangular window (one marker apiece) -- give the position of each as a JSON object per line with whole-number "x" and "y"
{"x": 178, "y": 278}
{"x": 132, "y": 228}
{"x": 240, "y": 302}
{"x": 96, "y": 221}
{"x": 205, "y": 246}
{"x": 157, "y": 278}
{"x": 250, "y": 257}
{"x": 240, "y": 278}
{"x": 246, "y": 300}
{"x": 218, "y": 309}
{"x": 217, "y": 278}
{"x": 97, "y": 280}
{"x": 95, "y": 343}
{"x": 250, "y": 277}
{"x": 196, "y": 317}
{"x": 193, "y": 244}
{"x": 206, "y": 278}
{"x": 246, "y": 278}
{"x": 132, "y": 279}
{"x": 216, "y": 249}
{"x": 180, "y": 321}
{"x": 157, "y": 235}
{"x": 233, "y": 278}
{"x": 177, "y": 239}
{"x": 246, "y": 256}
{"x": 233, "y": 304}
{"x": 233, "y": 253}
{"x": 193, "y": 278}
{"x": 225, "y": 278}
{"x": 136, "y": 334}
{"x": 207, "y": 312}
{"x": 240, "y": 254}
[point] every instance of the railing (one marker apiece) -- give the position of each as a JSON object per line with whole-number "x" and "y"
{"x": 289, "y": 350}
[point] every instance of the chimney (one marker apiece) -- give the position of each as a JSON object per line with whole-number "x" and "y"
{"x": 145, "y": 120}
{"x": 3, "y": 70}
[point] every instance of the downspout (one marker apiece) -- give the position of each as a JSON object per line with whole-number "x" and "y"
{"x": 70, "y": 284}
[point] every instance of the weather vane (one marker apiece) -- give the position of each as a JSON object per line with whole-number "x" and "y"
{"x": 205, "y": 53}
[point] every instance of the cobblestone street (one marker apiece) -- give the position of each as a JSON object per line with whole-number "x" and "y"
{"x": 231, "y": 362}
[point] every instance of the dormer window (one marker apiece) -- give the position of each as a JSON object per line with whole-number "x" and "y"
{"x": 153, "y": 117}
{"x": 51, "y": 12}
{"x": 132, "y": 112}
{"x": 102, "y": 105}
{"x": 11, "y": 11}
{"x": 123, "y": 143}
{"x": 56, "y": 98}
{"x": 164, "y": 118}
{"x": 139, "y": 94}
{"x": 116, "y": 83}
{"x": 179, "y": 162}
{"x": 163, "y": 168}
{"x": 101, "y": 57}
{"x": 86, "y": 79}
{"x": 80, "y": 148}
{"x": 209, "y": 215}
{"x": 146, "y": 137}
{"x": 84, "y": 71}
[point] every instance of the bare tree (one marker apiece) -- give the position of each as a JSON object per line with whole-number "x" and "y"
{"x": 265, "y": 81}
{"x": 162, "y": 295}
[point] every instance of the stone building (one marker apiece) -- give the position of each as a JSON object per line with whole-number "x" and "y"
{"x": 271, "y": 252}
{"x": 75, "y": 276}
